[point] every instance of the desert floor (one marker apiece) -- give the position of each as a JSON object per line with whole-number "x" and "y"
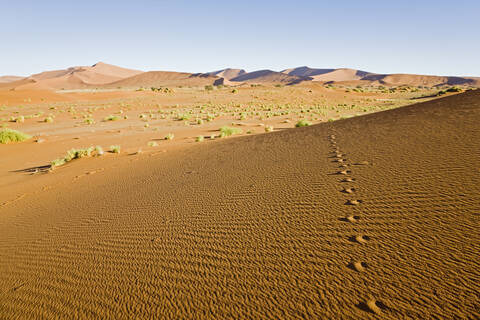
{"x": 368, "y": 213}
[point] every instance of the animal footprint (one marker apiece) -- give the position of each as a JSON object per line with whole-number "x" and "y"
{"x": 372, "y": 305}
{"x": 348, "y": 180}
{"x": 353, "y": 202}
{"x": 344, "y": 172}
{"x": 348, "y": 190}
{"x": 358, "y": 266}
{"x": 350, "y": 218}
{"x": 360, "y": 239}
{"x": 353, "y": 218}
{"x": 362, "y": 163}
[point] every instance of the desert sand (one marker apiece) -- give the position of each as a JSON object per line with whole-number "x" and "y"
{"x": 369, "y": 213}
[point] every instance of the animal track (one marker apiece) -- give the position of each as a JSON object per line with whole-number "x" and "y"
{"x": 338, "y": 156}
{"x": 348, "y": 190}
{"x": 359, "y": 239}
{"x": 352, "y": 219}
{"x": 361, "y": 163}
{"x": 353, "y": 202}
{"x": 372, "y": 306}
{"x": 358, "y": 266}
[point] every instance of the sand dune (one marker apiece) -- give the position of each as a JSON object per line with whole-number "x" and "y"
{"x": 5, "y": 79}
{"x": 228, "y": 73}
{"x": 260, "y": 226}
{"x": 102, "y": 75}
{"x": 269, "y": 76}
{"x": 165, "y": 78}
{"x": 342, "y": 74}
{"x": 419, "y": 80}
{"x": 75, "y": 77}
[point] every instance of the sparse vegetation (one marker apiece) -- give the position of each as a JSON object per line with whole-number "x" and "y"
{"x": 200, "y": 139}
{"x": 268, "y": 128}
{"x": 99, "y": 151}
{"x": 152, "y": 144}
{"x": 76, "y": 154}
{"x": 112, "y": 118}
{"x": 169, "y": 136}
{"x": 229, "y": 131}
{"x": 302, "y": 123}
{"x": 115, "y": 149}
{"x": 10, "y": 135}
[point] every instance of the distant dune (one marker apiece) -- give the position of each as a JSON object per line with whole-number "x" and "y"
{"x": 74, "y": 77}
{"x": 102, "y": 75}
{"x": 228, "y": 73}
{"x": 269, "y": 76}
{"x": 341, "y": 74}
{"x": 6, "y": 79}
{"x": 419, "y": 80}
{"x": 165, "y": 78}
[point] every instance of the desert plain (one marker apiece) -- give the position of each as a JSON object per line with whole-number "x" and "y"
{"x": 306, "y": 193}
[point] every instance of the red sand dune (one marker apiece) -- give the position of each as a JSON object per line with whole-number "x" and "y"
{"x": 102, "y": 75}
{"x": 165, "y": 78}
{"x": 269, "y": 76}
{"x": 6, "y": 79}
{"x": 228, "y": 73}
{"x": 75, "y": 77}
{"x": 342, "y": 74}
{"x": 419, "y": 80}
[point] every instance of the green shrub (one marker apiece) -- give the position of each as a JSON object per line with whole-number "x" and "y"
{"x": 115, "y": 149}
{"x": 303, "y": 123}
{"x": 183, "y": 117}
{"x": 99, "y": 151}
{"x": 48, "y": 119}
{"x": 169, "y": 136}
{"x": 268, "y": 128}
{"x": 111, "y": 118}
{"x": 199, "y": 139}
{"x": 76, "y": 154}
{"x": 9, "y": 135}
{"x": 229, "y": 131}
{"x": 152, "y": 144}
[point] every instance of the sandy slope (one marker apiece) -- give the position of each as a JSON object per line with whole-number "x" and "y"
{"x": 269, "y": 76}
{"x": 261, "y": 227}
{"x": 165, "y": 78}
{"x": 341, "y": 74}
{"x": 6, "y": 79}
{"x": 228, "y": 73}
{"x": 73, "y": 78}
{"x": 419, "y": 80}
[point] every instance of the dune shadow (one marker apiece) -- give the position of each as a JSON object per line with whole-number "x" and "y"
{"x": 363, "y": 306}
{"x": 33, "y": 170}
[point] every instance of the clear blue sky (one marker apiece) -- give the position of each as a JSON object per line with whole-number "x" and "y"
{"x": 424, "y": 36}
